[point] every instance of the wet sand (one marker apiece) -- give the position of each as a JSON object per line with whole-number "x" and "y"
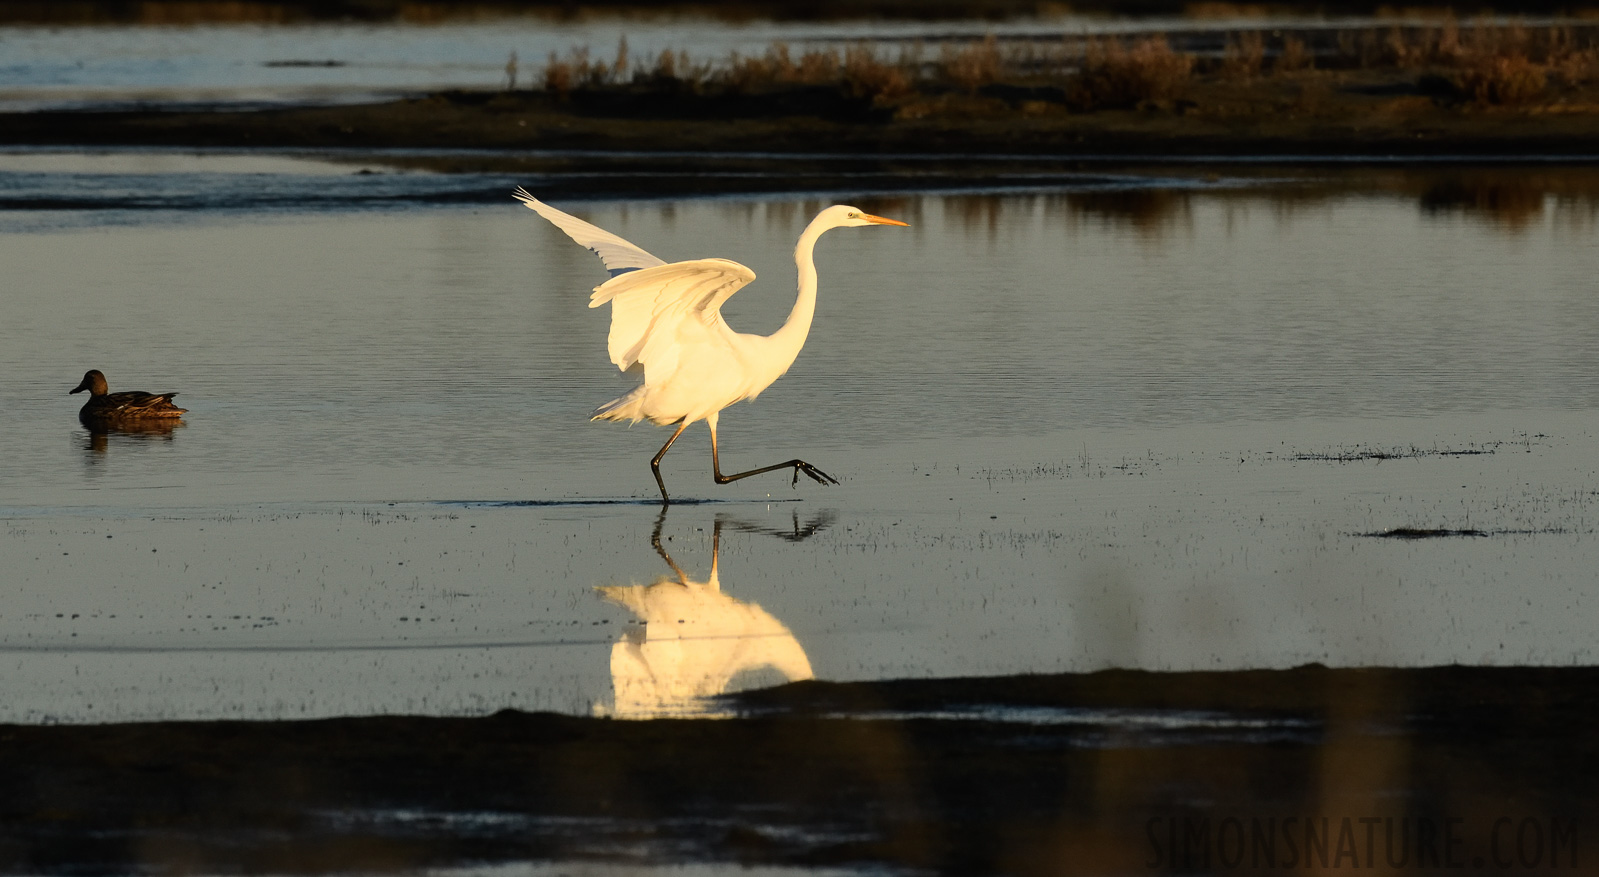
{"x": 1309, "y": 114}
{"x": 1111, "y": 772}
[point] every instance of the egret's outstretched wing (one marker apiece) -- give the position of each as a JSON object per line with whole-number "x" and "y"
{"x": 649, "y": 305}
{"x": 620, "y": 256}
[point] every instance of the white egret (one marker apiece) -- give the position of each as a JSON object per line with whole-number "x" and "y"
{"x": 667, "y": 319}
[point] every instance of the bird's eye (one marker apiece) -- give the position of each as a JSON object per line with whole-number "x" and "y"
{"x": 854, "y": 216}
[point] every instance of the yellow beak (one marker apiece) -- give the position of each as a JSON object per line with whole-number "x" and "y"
{"x": 880, "y": 220}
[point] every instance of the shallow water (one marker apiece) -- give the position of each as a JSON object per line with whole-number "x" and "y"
{"x": 1149, "y": 424}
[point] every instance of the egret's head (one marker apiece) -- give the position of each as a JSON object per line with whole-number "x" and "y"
{"x": 843, "y": 215}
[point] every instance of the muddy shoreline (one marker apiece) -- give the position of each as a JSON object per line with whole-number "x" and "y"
{"x": 1111, "y": 772}
{"x": 1319, "y": 114}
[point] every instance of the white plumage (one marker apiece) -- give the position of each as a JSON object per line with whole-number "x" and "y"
{"x": 667, "y": 319}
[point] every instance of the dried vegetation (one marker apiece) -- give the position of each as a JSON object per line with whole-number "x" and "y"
{"x": 1476, "y": 65}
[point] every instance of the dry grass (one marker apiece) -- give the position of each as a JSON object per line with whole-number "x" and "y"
{"x": 1293, "y": 57}
{"x": 1490, "y": 64}
{"x": 562, "y": 75}
{"x": 1487, "y": 64}
{"x": 559, "y": 77}
{"x": 1244, "y": 56}
{"x": 817, "y": 68}
{"x": 665, "y": 66}
{"x": 860, "y": 72}
{"x": 865, "y": 75}
{"x": 1502, "y": 81}
{"x": 973, "y": 66}
{"x": 1115, "y": 75}
{"x": 1577, "y": 68}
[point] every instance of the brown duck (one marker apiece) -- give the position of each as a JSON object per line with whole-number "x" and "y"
{"x": 107, "y": 407}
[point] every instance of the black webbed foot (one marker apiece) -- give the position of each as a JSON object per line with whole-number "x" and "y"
{"x": 811, "y": 472}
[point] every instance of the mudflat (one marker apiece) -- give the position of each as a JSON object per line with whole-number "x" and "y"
{"x": 1110, "y": 772}
{"x": 1305, "y": 113}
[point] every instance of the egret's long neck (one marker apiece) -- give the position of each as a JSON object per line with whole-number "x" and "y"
{"x": 787, "y": 341}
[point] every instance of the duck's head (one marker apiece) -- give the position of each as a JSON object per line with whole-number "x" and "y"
{"x": 94, "y": 382}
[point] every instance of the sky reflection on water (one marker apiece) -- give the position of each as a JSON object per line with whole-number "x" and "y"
{"x": 1077, "y": 429}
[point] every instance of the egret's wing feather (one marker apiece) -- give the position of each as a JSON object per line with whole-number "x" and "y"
{"x": 620, "y": 256}
{"x": 649, "y": 305}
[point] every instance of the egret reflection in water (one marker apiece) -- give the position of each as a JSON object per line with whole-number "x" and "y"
{"x": 694, "y": 641}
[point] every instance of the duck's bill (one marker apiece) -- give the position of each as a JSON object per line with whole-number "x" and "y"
{"x": 883, "y": 220}
{"x": 79, "y": 388}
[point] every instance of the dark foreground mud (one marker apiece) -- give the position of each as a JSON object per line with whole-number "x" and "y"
{"x": 1117, "y": 772}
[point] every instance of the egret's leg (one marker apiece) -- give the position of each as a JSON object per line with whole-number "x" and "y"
{"x": 655, "y": 541}
{"x": 716, "y": 548}
{"x": 798, "y": 466}
{"x": 655, "y": 464}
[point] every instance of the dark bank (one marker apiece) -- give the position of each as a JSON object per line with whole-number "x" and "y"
{"x": 1110, "y": 772}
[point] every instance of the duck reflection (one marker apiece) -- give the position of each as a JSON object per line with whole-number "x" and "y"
{"x": 694, "y": 641}
{"x": 102, "y": 435}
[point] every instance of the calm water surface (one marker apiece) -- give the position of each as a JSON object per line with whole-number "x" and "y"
{"x": 1139, "y": 425}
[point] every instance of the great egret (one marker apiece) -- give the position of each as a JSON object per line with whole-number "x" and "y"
{"x": 667, "y": 318}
